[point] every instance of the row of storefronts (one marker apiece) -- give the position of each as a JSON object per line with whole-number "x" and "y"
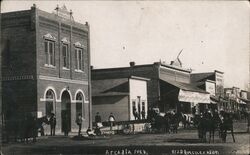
{"x": 169, "y": 88}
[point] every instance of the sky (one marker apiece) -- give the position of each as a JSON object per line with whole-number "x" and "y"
{"x": 214, "y": 35}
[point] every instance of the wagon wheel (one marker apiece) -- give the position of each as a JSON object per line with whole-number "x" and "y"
{"x": 127, "y": 129}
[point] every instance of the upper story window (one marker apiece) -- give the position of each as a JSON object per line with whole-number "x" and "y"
{"x": 65, "y": 55}
{"x": 79, "y": 59}
{"x": 49, "y": 47}
{"x": 79, "y": 65}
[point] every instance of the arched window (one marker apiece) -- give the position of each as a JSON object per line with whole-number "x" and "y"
{"x": 50, "y": 102}
{"x": 79, "y": 104}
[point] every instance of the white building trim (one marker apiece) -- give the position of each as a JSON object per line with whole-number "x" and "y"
{"x": 84, "y": 98}
{"x": 49, "y": 37}
{"x": 65, "y": 89}
{"x": 44, "y": 95}
{"x": 49, "y": 78}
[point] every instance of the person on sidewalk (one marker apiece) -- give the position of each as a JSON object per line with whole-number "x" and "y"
{"x": 79, "y": 123}
{"x": 111, "y": 120}
{"x": 98, "y": 119}
{"x": 143, "y": 114}
{"x": 52, "y": 122}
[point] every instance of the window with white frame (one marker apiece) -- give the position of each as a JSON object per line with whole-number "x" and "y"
{"x": 49, "y": 47}
{"x": 65, "y": 55}
{"x": 79, "y": 59}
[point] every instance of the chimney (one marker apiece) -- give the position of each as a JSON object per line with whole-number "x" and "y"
{"x": 132, "y": 64}
{"x": 34, "y": 6}
{"x": 171, "y": 62}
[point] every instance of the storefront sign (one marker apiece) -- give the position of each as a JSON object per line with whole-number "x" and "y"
{"x": 189, "y": 96}
{"x": 210, "y": 87}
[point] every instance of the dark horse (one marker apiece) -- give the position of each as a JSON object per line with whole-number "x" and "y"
{"x": 31, "y": 127}
{"x": 39, "y": 124}
{"x": 208, "y": 123}
{"x": 226, "y": 124}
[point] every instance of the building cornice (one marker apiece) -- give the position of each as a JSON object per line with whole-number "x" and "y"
{"x": 49, "y": 78}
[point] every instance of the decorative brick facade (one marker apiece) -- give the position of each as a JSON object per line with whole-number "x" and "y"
{"x": 27, "y": 76}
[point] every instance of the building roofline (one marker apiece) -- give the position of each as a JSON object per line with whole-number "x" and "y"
{"x": 14, "y": 12}
{"x": 84, "y": 27}
{"x": 59, "y": 18}
{"x": 118, "y": 68}
{"x": 210, "y": 81}
{"x": 219, "y": 71}
{"x": 173, "y": 67}
{"x": 144, "y": 65}
{"x": 139, "y": 78}
{"x": 202, "y": 73}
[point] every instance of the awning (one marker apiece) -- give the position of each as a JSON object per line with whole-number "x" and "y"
{"x": 214, "y": 99}
{"x": 189, "y": 96}
{"x": 244, "y": 100}
{"x": 189, "y": 92}
{"x": 241, "y": 102}
{"x": 184, "y": 86}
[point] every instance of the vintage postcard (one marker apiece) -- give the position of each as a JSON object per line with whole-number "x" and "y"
{"x": 125, "y": 77}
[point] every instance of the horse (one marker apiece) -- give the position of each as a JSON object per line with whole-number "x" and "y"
{"x": 226, "y": 124}
{"x": 208, "y": 123}
{"x": 174, "y": 121}
{"x": 159, "y": 123}
{"x": 39, "y": 124}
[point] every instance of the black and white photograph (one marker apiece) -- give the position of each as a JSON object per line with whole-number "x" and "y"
{"x": 125, "y": 77}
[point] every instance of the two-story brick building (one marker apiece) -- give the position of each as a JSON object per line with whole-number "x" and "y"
{"x": 45, "y": 66}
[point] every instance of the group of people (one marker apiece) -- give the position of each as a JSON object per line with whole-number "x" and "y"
{"x": 167, "y": 123}
{"x": 139, "y": 115}
{"x": 98, "y": 124}
{"x": 50, "y": 119}
{"x": 27, "y": 126}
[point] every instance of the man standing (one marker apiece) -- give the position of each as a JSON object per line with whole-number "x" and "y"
{"x": 79, "y": 123}
{"x": 111, "y": 120}
{"x": 143, "y": 113}
{"x": 135, "y": 113}
{"x": 52, "y": 122}
{"x": 98, "y": 118}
